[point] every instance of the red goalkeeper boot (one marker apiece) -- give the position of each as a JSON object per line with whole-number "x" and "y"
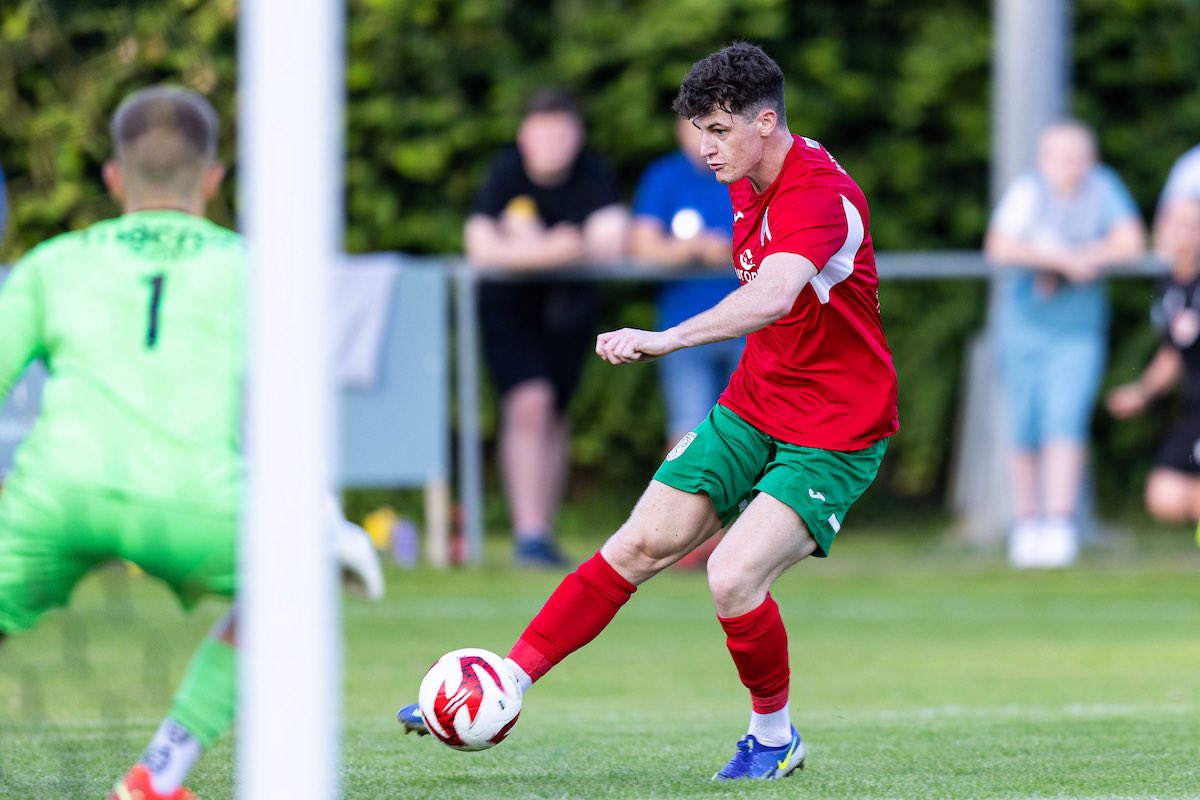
{"x": 136, "y": 786}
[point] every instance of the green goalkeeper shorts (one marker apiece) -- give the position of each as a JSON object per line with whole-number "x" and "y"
{"x": 51, "y": 534}
{"x": 730, "y": 460}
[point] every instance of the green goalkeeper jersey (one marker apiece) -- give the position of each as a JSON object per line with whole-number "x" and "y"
{"x": 140, "y": 322}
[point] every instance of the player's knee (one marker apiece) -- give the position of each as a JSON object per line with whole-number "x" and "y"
{"x": 732, "y": 593}
{"x": 1167, "y": 501}
{"x": 1168, "y": 508}
{"x": 634, "y": 552}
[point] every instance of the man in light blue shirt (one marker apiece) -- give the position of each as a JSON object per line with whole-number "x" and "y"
{"x": 1053, "y": 233}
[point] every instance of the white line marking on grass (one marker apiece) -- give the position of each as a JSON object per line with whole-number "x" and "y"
{"x": 1078, "y": 710}
{"x": 1090, "y": 797}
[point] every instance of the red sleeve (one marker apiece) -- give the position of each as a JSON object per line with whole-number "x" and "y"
{"x": 809, "y": 221}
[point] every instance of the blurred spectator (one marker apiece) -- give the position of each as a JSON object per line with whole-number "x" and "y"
{"x": 1173, "y": 487}
{"x": 682, "y": 219}
{"x": 1183, "y": 183}
{"x": 547, "y": 203}
{"x": 1055, "y": 230}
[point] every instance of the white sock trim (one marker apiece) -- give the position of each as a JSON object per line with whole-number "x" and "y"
{"x": 170, "y": 757}
{"x": 772, "y": 730}
{"x": 523, "y": 679}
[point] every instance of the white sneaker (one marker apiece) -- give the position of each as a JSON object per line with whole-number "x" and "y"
{"x": 360, "y": 567}
{"x": 1024, "y": 545}
{"x": 362, "y": 574}
{"x": 1059, "y": 544}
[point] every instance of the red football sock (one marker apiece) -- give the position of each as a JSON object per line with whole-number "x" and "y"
{"x": 582, "y": 606}
{"x": 757, "y": 641}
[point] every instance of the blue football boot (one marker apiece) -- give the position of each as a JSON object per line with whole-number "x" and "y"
{"x": 754, "y": 761}
{"x": 410, "y": 717}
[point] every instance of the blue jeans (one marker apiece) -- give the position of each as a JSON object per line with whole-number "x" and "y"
{"x": 693, "y": 379}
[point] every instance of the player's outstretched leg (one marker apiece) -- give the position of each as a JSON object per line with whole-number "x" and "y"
{"x": 586, "y": 600}
{"x": 583, "y": 604}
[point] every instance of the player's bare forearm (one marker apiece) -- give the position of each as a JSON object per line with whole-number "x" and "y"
{"x": 753, "y": 306}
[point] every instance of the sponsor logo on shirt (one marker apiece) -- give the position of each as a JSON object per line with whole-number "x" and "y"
{"x": 747, "y": 270}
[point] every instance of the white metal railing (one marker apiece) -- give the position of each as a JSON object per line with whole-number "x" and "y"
{"x": 892, "y": 266}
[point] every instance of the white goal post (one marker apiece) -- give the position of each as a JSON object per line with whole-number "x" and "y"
{"x": 290, "y": 111}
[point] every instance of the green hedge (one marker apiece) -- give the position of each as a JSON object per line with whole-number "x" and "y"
{"x": 898, "y": 89}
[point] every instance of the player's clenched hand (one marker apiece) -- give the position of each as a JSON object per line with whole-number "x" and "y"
{"x": 631, "y": 344}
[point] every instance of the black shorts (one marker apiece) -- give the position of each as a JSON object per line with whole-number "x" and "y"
{"x": 1180, "y": 449}
{"x": 538, "y": 330}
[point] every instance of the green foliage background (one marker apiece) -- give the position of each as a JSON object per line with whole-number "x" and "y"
{"x": 898, "y": 89}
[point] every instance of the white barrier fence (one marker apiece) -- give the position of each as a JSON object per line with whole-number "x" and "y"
{"x": 398, "y": 434}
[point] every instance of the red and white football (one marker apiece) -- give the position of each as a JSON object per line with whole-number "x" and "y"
{"x": 469, "y": 699}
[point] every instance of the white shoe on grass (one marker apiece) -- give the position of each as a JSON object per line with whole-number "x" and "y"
{"x": 362, "y": 572}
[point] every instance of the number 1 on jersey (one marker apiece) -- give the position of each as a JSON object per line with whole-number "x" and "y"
{"x": 156, "y": 289}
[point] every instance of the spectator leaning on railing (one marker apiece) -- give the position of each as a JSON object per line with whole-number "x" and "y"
{"x": 547, "y": 203}
{"x": 1054, "y": 231}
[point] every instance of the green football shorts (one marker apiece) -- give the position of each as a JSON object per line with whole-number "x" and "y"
{"x": 730, "y": 460}
{"x": 52, "y": 534}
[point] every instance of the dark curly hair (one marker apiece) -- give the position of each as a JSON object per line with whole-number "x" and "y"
{"x": 740, "y": 79}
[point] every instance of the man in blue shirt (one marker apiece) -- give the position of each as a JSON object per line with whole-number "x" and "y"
{"x": 682, "y": 222}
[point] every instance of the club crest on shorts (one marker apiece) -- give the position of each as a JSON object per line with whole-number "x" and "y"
{"x": 678, "y": 449}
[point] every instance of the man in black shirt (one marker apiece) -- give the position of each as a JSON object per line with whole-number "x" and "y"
{"x": 1173, "y": 486}
{"x": 547, "y": 204}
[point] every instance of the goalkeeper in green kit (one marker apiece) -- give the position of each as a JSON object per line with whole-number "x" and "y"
{"x": 136, "y": 454}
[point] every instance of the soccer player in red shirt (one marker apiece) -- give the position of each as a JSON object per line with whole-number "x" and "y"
{"x": 796, "y": 437}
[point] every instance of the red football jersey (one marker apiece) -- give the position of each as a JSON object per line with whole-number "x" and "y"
{"x": 822, "y": 376}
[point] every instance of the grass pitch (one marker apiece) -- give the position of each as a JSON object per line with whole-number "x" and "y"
{"x": 918, "y": 671}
